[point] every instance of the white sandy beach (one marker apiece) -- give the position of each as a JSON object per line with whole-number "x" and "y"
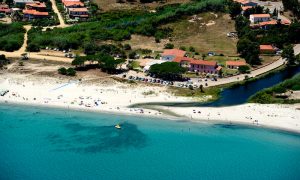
{"x": 116, "y": 97}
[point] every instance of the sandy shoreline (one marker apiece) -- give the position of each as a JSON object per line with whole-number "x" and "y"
{"x": 114, "y": 98}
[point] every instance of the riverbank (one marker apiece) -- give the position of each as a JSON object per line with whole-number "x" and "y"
{"x": 115, "y": 97}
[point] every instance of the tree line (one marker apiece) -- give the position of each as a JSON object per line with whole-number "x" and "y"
{"x": 11, "y": 36}
{"x": 120, "y": 25}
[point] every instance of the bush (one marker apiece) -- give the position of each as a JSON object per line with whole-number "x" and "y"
{"x": 11, "y": 36}
{"x": 244, "y": 69}
{"x": 182, "y": 48}
{"x": 62, "y": 71}
{"x": 132, "y": 55}
{"x": 127, "y": 47}
{"x": 71, "y": 72}
{"x": 191, "y": 49}
{"x": 32, "y": 47}
{"x": 169, "y": 46}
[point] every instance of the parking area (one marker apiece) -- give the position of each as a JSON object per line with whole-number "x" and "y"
{"x": 191, "y": 83}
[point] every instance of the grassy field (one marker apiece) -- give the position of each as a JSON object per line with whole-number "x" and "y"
{"x": 206, "y": 33}
{"x": 107, "y": 5}
{"x": 266, "y": 59}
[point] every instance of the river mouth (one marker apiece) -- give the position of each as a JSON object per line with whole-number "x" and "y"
{"x": 235, "y": 95}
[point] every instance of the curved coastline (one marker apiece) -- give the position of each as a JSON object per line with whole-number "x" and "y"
{"x": 186, "y": 114}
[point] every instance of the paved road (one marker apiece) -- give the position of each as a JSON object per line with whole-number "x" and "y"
{"x": 254, "y": 73}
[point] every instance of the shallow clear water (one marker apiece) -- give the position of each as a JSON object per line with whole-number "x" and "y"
{"x": 44, "y": 143}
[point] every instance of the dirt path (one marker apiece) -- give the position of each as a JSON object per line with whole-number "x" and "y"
{"x": 60, "y": 18}
{"x": 24, "y": 46}
{"x": 33, "y": 55}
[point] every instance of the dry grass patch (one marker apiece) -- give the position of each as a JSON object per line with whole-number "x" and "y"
{"x": 107, "y": 5}
{"x": 267, "y": 59}
{"x": 144, "y": 42}
{"x": 206, "y": 32}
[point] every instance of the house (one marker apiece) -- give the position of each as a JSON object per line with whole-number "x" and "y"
{"x": 244, "y": 8}
{"x": 267, "y": 49}
{"x": 78, "y": 13}
{"x": 267, "y": 24}
{"x": 171, "y": 54}
{"x": 246, "y": 3}
{"x": 22, "y": 3}
{"x": 5, "y": 9}
{"x": 194, "y": 65}
{"x": 256, "y": 18}
{"x": 38, "y": 6}
{"x": 235, "y": 64}
{"x": 34, "y": 14}
{"x": 72, "y": 4}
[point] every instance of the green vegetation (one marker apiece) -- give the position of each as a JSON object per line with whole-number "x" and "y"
{"x": 11, "y": 36}
{"x": 68, "y": 72}
{"x": 119, "y": 25}
{"x": 268, "y": 95}
{"x": 235, "y": 9}
{"x": 293, "y": 5}
{"x": 104, "y": 61}
{"x": 133, "y": 65}
{"x": 244, "y": 69}
{"x": 167, "y": 71}
{"x": 214, "y": 92}
{"x": 3, "y": 61}
{"x": 288, "y": 53}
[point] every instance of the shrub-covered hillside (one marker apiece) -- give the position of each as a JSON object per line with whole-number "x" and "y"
{"x": 11, "y": 36}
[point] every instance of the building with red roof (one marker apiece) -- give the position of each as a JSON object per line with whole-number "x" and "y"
{"x": 34, "y": 14}
{"x": 235, "y": 64}
{"x": 36, "y": 5}
{"x": 4, "y": 8}
{"x": 256, "y": 18}
{"x": 194, "y": 65}
{"x": 171, "y": 54}
{"x": 72, "y": 4}
{"x": 78, "y": 12}
{"x": 267, "y": 49}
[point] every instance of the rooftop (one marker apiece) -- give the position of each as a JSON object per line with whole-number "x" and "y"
{"x": 266, "y": 47}
{"x": 261, "y": 15}
{"x": 34, "y": 12}
{"x": 73, "y": 3}
{"x": 23, "y": 1}
{"x": 273, "y": 22}
{"x": 78, "y": 9}
{"x": 174, "y": 52}
{"x": 194, "y": 61}
{"x": 37, "y": 4}
{"x": 244, "y": 8}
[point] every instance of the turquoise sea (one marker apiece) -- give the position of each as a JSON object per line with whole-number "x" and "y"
{"x": 44, "y": 143}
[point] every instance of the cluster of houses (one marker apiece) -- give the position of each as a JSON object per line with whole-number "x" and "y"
{"x": 75, "y": 9}
{"x": 263, "y": 21}
{"x": 30, "y": 9}
{"x": 194, "y": 65}
{"x": 4, "y": 9}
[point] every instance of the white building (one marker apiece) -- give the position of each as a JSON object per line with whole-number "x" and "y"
{"x": 256, "y": 18}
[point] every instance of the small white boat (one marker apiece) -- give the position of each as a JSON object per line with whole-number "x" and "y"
{"x": 118, "y": 126}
